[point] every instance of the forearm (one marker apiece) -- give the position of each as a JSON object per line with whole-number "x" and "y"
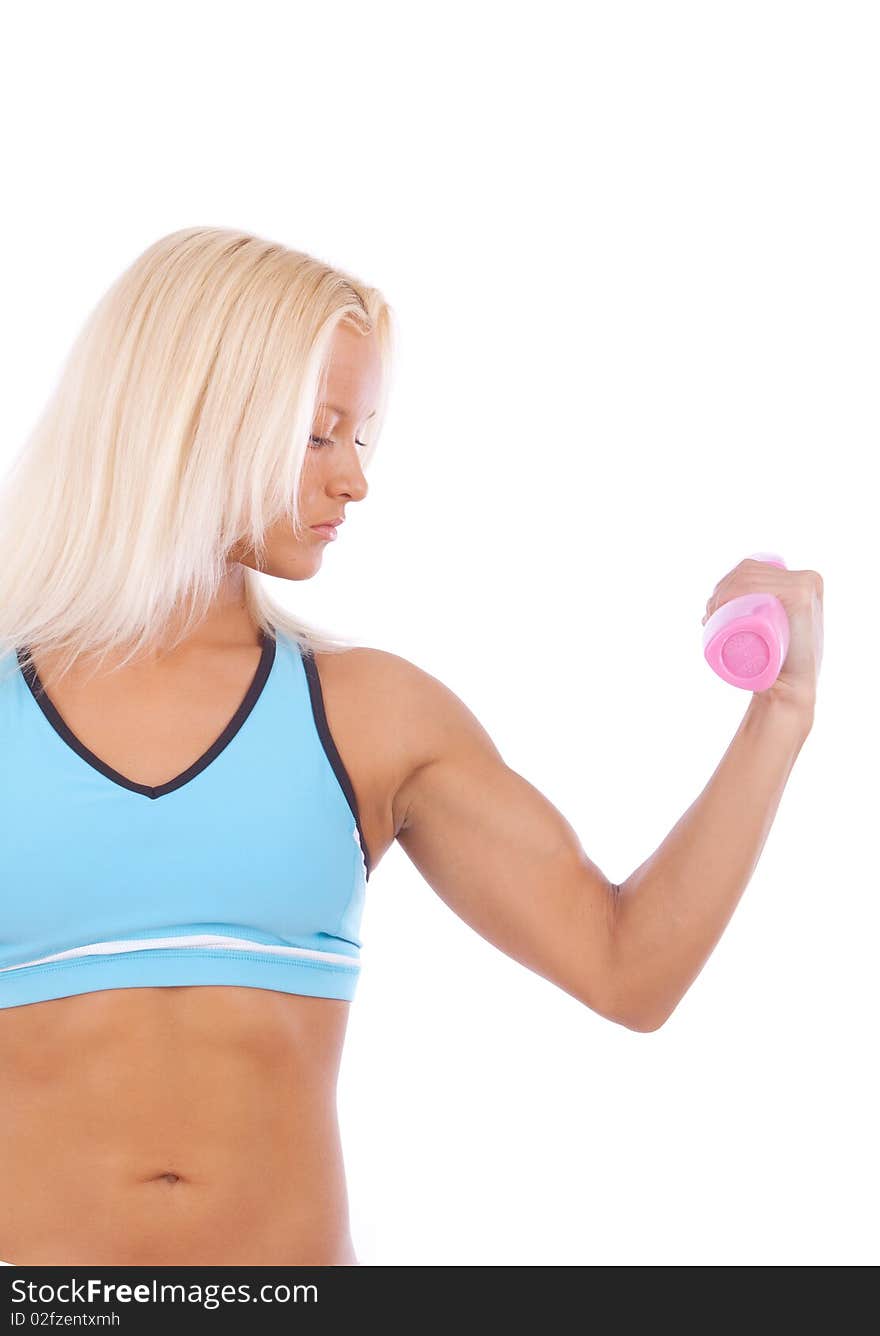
{"x": 671, "y": 912}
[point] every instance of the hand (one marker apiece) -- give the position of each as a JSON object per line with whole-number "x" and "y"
{"x": 801, "y": 594}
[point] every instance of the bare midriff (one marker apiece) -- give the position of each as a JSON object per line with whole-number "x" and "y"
{"x": 173, "y": 1126}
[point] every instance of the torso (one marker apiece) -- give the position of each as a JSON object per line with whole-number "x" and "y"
{"x": 187, "y": 1125}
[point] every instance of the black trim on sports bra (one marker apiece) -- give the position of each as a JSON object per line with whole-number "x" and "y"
{"x": 38, "y": 691}
{"x": 316, "y": 696}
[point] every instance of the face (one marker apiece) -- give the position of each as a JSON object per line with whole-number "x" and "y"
{"x": 332, "y": 475}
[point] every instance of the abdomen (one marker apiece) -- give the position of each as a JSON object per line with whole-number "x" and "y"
{"x": 172, "y": 1126}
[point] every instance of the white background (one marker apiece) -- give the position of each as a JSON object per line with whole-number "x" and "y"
{"x": 633, "y": 252}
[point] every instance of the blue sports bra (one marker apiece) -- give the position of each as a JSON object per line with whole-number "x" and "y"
{"x": 248, "y": 869}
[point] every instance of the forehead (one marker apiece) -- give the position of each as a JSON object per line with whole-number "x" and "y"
{"x": 353, "y": 374}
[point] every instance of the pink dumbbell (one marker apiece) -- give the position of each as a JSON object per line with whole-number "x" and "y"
{"x": 746, "y": 640}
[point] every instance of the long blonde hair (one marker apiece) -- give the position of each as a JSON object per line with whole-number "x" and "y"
{"x": 179, "y": 425}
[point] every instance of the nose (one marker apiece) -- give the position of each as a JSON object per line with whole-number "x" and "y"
{"x": 349, "y": 479}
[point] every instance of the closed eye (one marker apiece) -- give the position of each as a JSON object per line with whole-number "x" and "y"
{"x": 326, "y": 440}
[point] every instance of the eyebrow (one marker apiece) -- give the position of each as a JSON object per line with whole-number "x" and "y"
{"x": 339, "y": 411}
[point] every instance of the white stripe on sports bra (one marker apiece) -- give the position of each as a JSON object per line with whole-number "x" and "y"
{"x": 146, "y": 943}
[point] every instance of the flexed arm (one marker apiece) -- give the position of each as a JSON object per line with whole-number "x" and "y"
{"x": 509, "y": 864}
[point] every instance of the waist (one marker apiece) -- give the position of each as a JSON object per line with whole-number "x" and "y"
{"x": 174, "y": 1126}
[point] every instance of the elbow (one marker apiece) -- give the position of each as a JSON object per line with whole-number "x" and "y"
{"x": 621, "y": 1012}
{"x": 641, "y": 1021}
{"x": 646, "y": 1025}
{"x": 641, "y": 1016}
{"x": 631, "y": 998}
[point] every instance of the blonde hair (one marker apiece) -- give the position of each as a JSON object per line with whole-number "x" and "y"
{"x": 179, "y": 425}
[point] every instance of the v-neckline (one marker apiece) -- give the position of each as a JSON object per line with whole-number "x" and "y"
{"x": 251, "y": 696}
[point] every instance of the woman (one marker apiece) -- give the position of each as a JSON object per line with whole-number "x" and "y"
{"x": 197, "y": 787}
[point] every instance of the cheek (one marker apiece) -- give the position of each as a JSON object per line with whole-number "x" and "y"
{"x": 311, "y": 481}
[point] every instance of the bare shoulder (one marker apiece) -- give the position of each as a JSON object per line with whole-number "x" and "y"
{"x": 400, "y": 712}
